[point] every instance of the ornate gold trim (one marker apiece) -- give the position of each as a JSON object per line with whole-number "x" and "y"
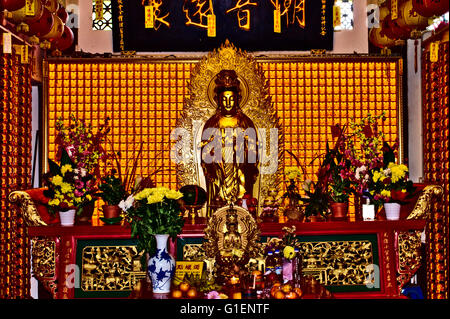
{"x": 408, "y": 256}
{"x": 27, "y": 208}
{"x": 44, "y": 260}
{"x": 422, "y": 209}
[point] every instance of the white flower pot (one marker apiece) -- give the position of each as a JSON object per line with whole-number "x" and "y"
{"x": 67, "y": 218}
{"x": 368, "y": 212}
{"x": 392, "y": 211}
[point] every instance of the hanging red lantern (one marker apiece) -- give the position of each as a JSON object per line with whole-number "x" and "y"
{"x": 56, "y": 30}
{"x": 52, "y": 5}
{"x": 380, "y": 40}
{"x": 21, "y": 15}
{"x": 409, "y": 18}
{"x": 11, "y": 5}
{"x": 65, "y": 41}
{"x": 62, "y": 14}
{"x": 43, "y": 25}
{"x": 391, "y": 29}
{"x": 429, "y": 8}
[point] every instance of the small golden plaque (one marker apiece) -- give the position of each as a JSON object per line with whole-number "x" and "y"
{"x": 211, "y": 25}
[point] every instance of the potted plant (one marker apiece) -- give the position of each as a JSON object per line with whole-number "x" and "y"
{"x": 317, "y": 200}
{"x": 292, "y": 211}
{"x": 317, "y": 197}
{"x": 155, "y": 215}
{"x": 83, "y": 145}
{"x": 339, "y": 186}
{"x": 364, "y": 152}
{"x": 390, "y": 188}
{"x": 112, "y": 193}
{"x": 68, "y": 189}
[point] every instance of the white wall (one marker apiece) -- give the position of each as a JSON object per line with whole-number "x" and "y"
{"x": 414, "y": 94}
{"x": 344, "y": 41}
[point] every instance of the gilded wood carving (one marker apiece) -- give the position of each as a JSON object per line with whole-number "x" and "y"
{"x": 27, "y": 208}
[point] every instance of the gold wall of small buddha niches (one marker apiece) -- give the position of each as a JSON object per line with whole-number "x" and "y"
{"x": 144, "y": 97}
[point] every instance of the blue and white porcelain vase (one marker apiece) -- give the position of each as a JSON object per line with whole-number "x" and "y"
{"x": 161, "y": 267}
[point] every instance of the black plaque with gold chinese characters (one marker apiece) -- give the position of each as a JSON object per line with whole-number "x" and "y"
{"x": 203, "y": 25}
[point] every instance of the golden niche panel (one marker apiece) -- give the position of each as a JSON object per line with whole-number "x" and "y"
{"x": 144, "y": 98}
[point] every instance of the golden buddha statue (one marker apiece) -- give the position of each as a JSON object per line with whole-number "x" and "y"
{"x": 229, "y": 147}
{"x": 232, "y": 242}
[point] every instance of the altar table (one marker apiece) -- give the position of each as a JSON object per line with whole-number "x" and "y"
{"x": 102, "y": 261}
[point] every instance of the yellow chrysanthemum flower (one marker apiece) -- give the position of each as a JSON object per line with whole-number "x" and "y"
{"x": 385, "y": 193}
{"x": 289, "y": 252}
{"x": 66, "y": 168}
{"x": 376, "y": 176}
{"x": 57, "y": 180}
{"x": 54, "y": 202}
{"x": 155, "y": 198}
{"x": 143, "y": 194}
{"x": 172, "y": 194}
{"x": 66, "y": 188}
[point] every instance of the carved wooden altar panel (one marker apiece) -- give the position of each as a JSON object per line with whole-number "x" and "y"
{"x": 107, "y": 268}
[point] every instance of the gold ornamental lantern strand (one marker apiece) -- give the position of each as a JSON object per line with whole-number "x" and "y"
{"x": 24, "y": 16}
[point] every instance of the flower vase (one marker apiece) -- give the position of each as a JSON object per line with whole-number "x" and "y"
{"x": 392, "y": 211}
{"x": 287, "y": 270}
{"x": 67, "y": 218}
{"x": 161, "y": 267}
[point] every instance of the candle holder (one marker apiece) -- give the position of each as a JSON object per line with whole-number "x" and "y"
{"x": 192, "y": 212}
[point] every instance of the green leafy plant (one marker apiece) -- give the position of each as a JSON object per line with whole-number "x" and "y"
{"x": 154, "y": 211}
{"x": 112, "y": 189}
{"x": 317, "y": 197}
{"x": 317, "y": 200}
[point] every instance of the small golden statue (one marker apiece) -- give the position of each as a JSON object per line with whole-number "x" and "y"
{"x": 231, "y": 238}
{"x": 232, "y": 242}
{"x": 231, "y": 173}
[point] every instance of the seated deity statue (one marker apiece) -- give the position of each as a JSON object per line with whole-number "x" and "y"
{"x": 232, "y": 242}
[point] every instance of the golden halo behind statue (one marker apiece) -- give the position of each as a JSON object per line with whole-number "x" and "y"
{"x": 243, "y": 85}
